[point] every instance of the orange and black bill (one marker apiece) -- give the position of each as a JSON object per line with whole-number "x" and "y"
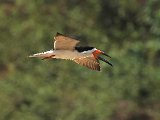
{"x": 103, "y": 53}
{"x": 104, "y": 60}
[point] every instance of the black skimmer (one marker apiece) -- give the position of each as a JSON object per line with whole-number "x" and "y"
{"x": 66, "y": 48}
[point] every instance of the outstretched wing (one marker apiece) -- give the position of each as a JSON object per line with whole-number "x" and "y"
{"x": 89, "y": 62}
{"x": 64, "y": 43}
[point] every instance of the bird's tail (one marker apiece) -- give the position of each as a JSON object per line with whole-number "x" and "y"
{"x": 44, "y": 55}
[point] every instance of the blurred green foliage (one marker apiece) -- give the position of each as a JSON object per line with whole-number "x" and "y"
{"x": 128, "y": 30}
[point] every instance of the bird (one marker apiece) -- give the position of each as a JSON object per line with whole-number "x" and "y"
{"x": 66, "y": 48}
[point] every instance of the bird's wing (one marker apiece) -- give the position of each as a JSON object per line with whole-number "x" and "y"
{"x": 64, "y": 43}
{"x": 89, "y": 62}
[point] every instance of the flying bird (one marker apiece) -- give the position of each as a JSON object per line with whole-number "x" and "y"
{"x": 66, "y": 48}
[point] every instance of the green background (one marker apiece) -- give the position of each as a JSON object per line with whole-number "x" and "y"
{"x": 127, "y": 30}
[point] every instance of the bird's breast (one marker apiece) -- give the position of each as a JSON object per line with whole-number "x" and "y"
{"x": 67, "y": 54}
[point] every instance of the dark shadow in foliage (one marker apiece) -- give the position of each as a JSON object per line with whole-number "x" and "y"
{"x": 115, "y": 25}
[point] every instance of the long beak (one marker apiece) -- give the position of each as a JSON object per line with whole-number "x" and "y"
{"x": 104, "y": 60}
{"x": 103, "y": 53}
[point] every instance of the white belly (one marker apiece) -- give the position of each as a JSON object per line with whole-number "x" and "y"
{"x": 66, "y": 54}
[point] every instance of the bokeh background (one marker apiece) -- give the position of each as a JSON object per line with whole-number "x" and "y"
{"x": 32, "y": 89}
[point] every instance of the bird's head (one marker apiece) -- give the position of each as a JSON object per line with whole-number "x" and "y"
{"x": 97, "y": 54}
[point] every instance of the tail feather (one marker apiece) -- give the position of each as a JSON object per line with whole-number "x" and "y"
{"x": 43, "y": 54}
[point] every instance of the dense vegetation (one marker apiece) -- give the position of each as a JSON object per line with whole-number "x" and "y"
{"x": 32, "y": 89}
